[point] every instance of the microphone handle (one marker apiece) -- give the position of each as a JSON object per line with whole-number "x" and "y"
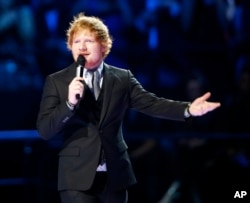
{"x": 78, "y": 96}
{"x": 79, "y": 73}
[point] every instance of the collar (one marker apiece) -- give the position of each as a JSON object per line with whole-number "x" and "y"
{"x": 99, "y": 69}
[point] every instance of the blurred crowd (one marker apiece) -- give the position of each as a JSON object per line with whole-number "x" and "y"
{"x": 176, "y": 48}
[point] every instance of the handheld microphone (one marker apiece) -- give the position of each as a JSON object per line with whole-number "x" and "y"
{"x": 79, "y": 70}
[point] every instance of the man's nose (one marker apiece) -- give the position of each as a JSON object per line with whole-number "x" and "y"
{"x": 83, "y": 46}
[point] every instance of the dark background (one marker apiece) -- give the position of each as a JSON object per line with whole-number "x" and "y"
{"x": 178, "y": 49}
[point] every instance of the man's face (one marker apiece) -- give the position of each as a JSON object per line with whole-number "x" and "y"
{"x": 86, "y": 44}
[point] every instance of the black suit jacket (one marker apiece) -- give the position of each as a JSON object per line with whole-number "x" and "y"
{"x": 79, "y": 156}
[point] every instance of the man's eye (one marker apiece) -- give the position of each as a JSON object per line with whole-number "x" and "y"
{"x": 89, "y": 40}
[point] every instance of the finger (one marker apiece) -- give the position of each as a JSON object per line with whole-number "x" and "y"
{"x": 78, "y": 79}
{"x": 205, "y": 96}
{"x": 216, "y": 105}
{"x": 81, "y": 80}
{"x": 78, "y": 88}
{"x": 213, "y": 106}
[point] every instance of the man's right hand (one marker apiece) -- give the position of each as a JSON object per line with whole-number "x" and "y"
{"x": 76, "y": 87}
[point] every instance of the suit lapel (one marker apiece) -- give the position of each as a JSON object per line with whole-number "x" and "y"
{"x": 65, "y": 76}
{"x": 108, "y": 81}
{"x": 71, "y": 73}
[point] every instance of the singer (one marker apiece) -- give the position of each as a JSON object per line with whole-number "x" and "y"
{"x": 94, "y": 165}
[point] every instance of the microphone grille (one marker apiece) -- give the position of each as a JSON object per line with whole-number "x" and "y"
{"x": 81, "y": 60}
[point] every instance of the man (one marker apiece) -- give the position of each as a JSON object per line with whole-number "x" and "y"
{"x": 93, "y": 163}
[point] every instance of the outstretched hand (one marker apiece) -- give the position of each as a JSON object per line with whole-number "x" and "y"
{"x": 201, "y": 106}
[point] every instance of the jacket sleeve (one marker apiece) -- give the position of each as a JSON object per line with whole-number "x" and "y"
{"x": 54, "y": 112}
{"x": 152, "y": 105}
